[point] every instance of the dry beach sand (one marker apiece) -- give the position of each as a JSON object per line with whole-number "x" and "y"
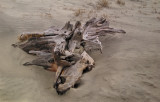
{"x": 127, "y": 71}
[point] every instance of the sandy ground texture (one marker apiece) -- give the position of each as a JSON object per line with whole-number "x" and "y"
{"x": 127, "y": 71}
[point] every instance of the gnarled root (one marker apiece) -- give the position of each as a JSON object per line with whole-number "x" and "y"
{"x": 64, "y": 50}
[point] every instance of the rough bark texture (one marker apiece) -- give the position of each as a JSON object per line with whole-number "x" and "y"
{"x": 64, "y": 50}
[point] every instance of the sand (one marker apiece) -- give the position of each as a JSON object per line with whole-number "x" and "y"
{"x": 127, "y": 71}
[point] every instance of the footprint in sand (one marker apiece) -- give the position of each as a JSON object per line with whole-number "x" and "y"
{"x": 149, "y": 84}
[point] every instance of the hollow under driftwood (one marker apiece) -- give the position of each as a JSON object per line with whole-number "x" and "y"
{"x": 64, "y": 50}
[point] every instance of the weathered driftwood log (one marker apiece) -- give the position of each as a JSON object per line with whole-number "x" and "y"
{"x": 64, "y": 50}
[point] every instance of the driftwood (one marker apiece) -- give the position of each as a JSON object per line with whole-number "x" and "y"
{"x": 64, "y": 50}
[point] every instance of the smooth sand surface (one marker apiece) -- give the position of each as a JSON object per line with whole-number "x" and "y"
{"x": 127, "y": 71}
